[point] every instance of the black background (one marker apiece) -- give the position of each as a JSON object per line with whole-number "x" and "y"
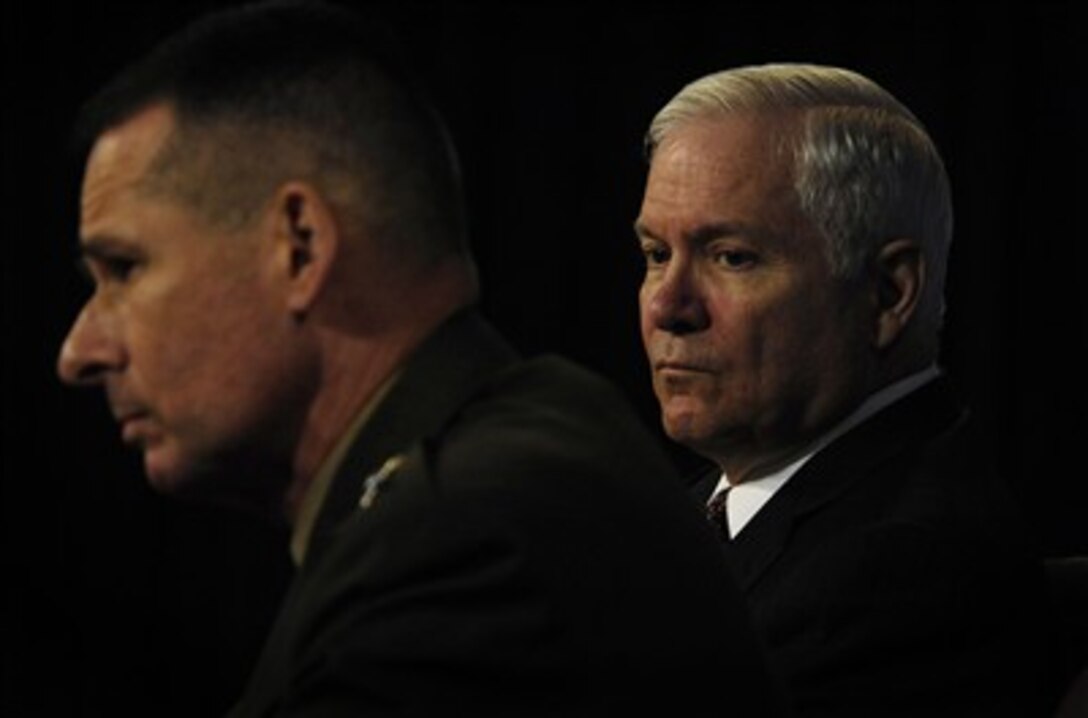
{"x": 118, "y": 601}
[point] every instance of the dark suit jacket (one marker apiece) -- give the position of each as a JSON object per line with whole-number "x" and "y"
{"x": 888, "y": 578}
{"x": 531, "y": 555}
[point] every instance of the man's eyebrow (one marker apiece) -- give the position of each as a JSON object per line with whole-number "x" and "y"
{"x": 642, "y": 231}
{"x": 703, "y": 233}
{"x": 104, "y": 246}
{"x": 717, "y": 230}
{"x": 104, "y": 249}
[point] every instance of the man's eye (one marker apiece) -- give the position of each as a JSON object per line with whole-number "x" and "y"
{"x": 736, "y": 258}
{"x": 655, "y": 255}
{"x": 108, "y": 268}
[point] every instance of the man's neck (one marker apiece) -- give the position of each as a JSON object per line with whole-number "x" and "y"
{"x": 354, "y": 369}
{"x": 768, "y": 463}
{"x": 304, "y": 514}
{"x": 353, "y": 373}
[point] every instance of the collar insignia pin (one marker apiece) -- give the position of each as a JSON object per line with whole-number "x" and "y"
{"x": 374, "y": 483}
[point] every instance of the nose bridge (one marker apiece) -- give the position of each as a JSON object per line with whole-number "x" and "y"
{"x": 92, "y": 346}
{"x": 677, "y": 302}
{"x": 678, "y": 280}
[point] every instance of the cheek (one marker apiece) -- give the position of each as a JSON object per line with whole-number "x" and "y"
{"x": 203, "y": 350}
{"x": 646, "y": 324}
{"x": 807, "y": 329}
{"x": 247, "y": 395}
{"x": 802, "y": 352}
{"x": 738, "y": 328}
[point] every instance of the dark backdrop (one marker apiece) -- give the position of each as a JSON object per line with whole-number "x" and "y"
{"x": 117, "y": 601}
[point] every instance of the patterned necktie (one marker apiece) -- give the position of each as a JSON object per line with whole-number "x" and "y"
{"x": 717, "y": 514}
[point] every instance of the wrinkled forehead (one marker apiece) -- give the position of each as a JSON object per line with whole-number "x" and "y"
{"x": 121, "y": 156}
{"x": 733, "y": 140}
{"x": 733, "y": 172}
{"x": 137, "y": 139}
{"x": 726, "y": 159}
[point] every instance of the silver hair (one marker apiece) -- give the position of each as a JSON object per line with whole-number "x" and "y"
{"x": 865, "y": 170}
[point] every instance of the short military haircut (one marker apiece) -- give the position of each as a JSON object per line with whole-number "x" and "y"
{"x": 275, "y": 91}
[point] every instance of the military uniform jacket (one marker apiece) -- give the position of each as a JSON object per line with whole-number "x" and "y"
{"x": 527, "y": 552}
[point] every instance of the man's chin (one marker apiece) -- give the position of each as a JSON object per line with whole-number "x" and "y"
{"x": 170, "y": 477}
{"x": 179, "y": 474}
{"x": 684, "y": 417}
{"x": 212, "y": 483}
{"x": 683, "y": 427}
{"x": 703, "y": 433}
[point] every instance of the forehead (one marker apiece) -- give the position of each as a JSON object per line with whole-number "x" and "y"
{"x": 721, "y": 166}
{"x": 119, "y": 160}
{"x": 727, "y": 140}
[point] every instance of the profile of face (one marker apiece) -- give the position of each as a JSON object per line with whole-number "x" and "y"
{"x": 185, "y": 330}
{"x": 753, "y": 345}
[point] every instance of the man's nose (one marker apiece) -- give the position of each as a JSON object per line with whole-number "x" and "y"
{"x": 677, "y": 304}
{"x": 90, "y": 350}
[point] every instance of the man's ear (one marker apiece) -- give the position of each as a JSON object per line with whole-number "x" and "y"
{"x": 900, "y": 279}
{"x": 308, "y": 240}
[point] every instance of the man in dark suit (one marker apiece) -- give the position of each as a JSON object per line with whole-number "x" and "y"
{"x": 282, "y": 320}
{"x": 796, "y": 224}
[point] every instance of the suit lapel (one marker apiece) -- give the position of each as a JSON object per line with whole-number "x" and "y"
{"x": 918, "y": 417}
{"x": 702, "y": 489}
{"x": 439, "y": 377}
{"x": 761, "y": 541}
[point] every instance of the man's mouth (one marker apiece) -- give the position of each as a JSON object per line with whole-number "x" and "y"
{"x": 681, "y": 367}
{"x": 133, "y": 423}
